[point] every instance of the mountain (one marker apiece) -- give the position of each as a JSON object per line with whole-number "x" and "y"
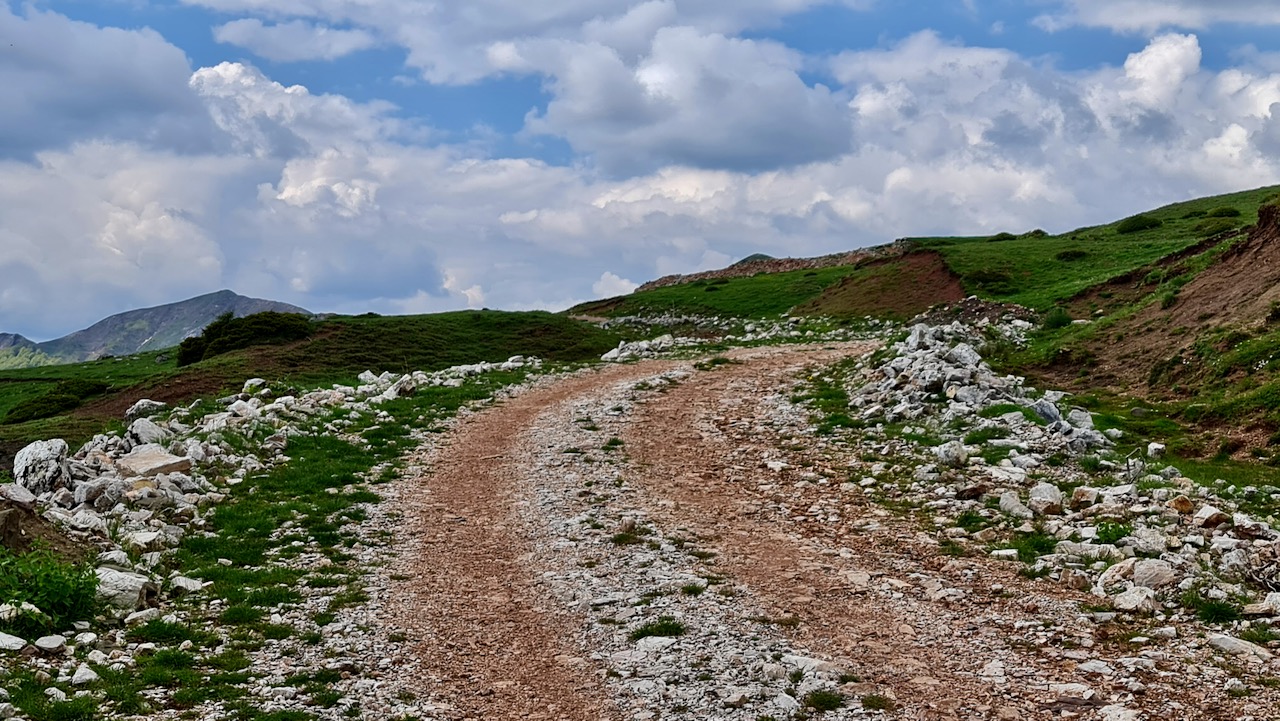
{"x": 134, "y": 331}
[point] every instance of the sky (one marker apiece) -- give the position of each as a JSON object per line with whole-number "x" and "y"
{"x": 415, "y": 156}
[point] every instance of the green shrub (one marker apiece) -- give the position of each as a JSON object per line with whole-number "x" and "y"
{"x": 998, "y": 237}
{"x": 1109, "y": 531}
{"x": 993, "y": 281}
{"x": 664, "y": 626}
{"x": 1193, "y": 214}
{"x": 65, "y": 592}
{"x": 1070, "y": 255}
{"x": 1224, "y": 211}
{"x": 822, "y": 700}
{"x": 1057, "y": 318}
{"x": 1137, "y": 223}
{"x": 1214, "y": 226}
{"x": 1168, "y": 299}
{"x": 229, "y": 333}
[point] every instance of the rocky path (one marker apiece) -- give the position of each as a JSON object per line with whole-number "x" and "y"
{"x": 661, "y": 541}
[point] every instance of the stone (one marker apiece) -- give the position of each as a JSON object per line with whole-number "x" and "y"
{"x": 18, "y": 495}
{"x": 1155, "y": 450}
{"x": 42, "y": 466}
{"x": 150, "y": 460}
{"x": 1012, "y": 505}
{"x": 143, "y": 431}
{"x": 1045, "y": 499}
{"x": 1116, "y": 712}
{"x": 952, "y": 454}
{"x": 137, "y": 618}
{"x": 1181, "y": 504}
{"x": 125, "y": 590}
{"x": 1047, "y": 411}
{"x": 143, "y": 541}
{"x": 51, "y": 644}
{"x": 11, "y": 643}
{"x": 1138, "y": 599}
{"x": 1080, "y": 418}
{"x": 181, "y": 586}
{"x": 963, "y": 355}
{"x": 144, "y": 407}
{"x": 243, "y": 409}
{"x": 83, "y": 675}
{"x": 1209, "y": 516}
{"x": 1238, "y": 647}
{"x": 1084, "y": 496}
{"x": 1154, "y": 573}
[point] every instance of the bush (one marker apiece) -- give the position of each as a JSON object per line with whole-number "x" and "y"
{"x": 229, "y": 333}
{"x": 992, "y": 281}
{"x": 65, "y": 592}
{"x": 1193, "y": 214}
{"x": 45, "y": 406}
{"x": 998, "y": 237}
{"x": 1168, "y": 300}
{"x": 1070, "y": 255}
{"x": 1137, "y": 223}
{"x": 1225, "y": 211}
{"x": 1214, "y": 226}
{"x": 1057, "y": 318}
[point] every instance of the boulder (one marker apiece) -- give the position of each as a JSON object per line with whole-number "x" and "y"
{"x": 1012, "y": 505}
{"x": 1155, "y": 450}
{"x": 51, "y": 645}
{"x": 17, "y": 495}
{"x": 1138, "y": 599}
{"x": 11, "y": 643}
{"x": 83, "y": 675}
{"x": 1209, "y": 516}
{"x": 963, "y": 355}
{"x": 952, "y": 454}
{"x": 1154, "y": 573}
{"x": 1239, "y": 647}
{"x": 143, "y": 431}
{"x": 125, "y": 590}
{"x": 150, "y": 460}
{"x": 1045, "y": 499}
{"x": 1181, "y": 504}
{"x": 42, "y": 466}
{"x": 1047, "y": 411}
{"x": 143, "y": 408}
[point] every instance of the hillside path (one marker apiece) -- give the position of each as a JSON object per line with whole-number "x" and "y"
{"x": 547, "y": 531}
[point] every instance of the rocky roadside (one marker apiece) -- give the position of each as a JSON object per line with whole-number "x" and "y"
{"x": 277, "y": 628}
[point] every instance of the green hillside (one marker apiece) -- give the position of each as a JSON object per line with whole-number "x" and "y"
{"x": 339, "y": 348}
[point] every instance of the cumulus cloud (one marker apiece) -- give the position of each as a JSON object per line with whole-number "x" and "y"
{"x": 63, "y": 81}
{"x": 1149, "y": 16}
{"x": 610, "y": 284}
{"x": 293, "y": 41}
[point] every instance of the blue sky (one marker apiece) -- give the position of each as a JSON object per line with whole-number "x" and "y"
{"x": 402, "y": 156}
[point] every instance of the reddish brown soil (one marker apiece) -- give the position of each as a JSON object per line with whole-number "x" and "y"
{"x": 1234, "y": 292}
{"x": 22, "y": 530}
{"x": 897, "y": 287}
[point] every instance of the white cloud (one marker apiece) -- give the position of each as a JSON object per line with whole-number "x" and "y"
{"x": 1150, "y": 16}
{"x": 63, "y": 81}
{"x": 293, "y": 41}
{"x": 694, "y": 99}
{"x": 611, "y": 284}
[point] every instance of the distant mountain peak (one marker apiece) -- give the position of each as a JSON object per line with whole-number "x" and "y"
{"x": 133, "y": 331}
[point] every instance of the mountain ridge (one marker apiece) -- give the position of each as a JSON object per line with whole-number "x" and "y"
{"x": 134, "y": 331}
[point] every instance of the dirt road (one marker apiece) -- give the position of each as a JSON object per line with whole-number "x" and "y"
{"x": 658, "y": 541}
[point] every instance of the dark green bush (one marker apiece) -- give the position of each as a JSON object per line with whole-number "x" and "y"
{"x": 1057, "y": 318}
{"x": 1225, "y": 211}
{"x": 1193, "y": 214}
{"x": 65, "y": 592}
{"x": 229, "y": 333}
{"x": 1137, "y": 223}
{"x": 992, "y": 281}
{"x": 1001, "y": 236}
{"x": 1214, "y": 226}
{"x": 81, "y": 388}
{"x": 1070, "y": 255}
{"x": 45, "y": 406}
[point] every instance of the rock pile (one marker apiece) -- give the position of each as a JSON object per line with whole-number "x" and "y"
{"x": 999, "y": 463}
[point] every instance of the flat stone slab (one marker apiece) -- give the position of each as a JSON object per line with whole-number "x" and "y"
{"x": 151, "y": 460}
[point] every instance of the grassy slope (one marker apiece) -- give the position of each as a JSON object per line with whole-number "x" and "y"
{"x": 341, "y": 348}
{"x": 1037, "y": 278}
{"x": 767, "y": 294}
